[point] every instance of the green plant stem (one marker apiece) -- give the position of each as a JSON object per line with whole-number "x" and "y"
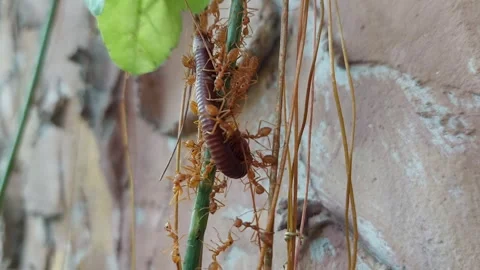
{"x": 234, "y": 24}
{"x": 28, "y": 101}
{"x": 198, "y": 223}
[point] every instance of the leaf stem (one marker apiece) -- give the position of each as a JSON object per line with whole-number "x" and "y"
{"x": 128, "y": 164}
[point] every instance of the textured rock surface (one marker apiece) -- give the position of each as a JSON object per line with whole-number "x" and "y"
{"x": 416, "y": 171}
{"x": 416, "y": 67}
{"x": 416, "y": 162}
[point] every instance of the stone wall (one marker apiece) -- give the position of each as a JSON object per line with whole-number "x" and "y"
{"x": 416, "y": 69}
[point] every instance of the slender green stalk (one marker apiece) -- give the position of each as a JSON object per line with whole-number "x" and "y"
{"x": 234, "y": 24}
{"x": 198, "y": 223}
{"x": 28, "y": 101}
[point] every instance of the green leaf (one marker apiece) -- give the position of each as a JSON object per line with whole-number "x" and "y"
{"x": 140, "y": 35}
{"x": 95, "y": 6}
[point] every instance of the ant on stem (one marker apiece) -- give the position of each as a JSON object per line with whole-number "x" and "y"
{"x": 214, "y": 265}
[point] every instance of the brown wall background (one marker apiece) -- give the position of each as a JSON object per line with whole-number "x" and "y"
{"x": 416, "y": 66}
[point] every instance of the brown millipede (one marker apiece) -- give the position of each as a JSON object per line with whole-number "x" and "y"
{"x": 230, "y": 157}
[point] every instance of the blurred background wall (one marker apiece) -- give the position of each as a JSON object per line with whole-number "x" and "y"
{"x": 416, "y": 65}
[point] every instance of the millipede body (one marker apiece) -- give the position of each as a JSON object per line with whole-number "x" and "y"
{"x": 229, "y": 156}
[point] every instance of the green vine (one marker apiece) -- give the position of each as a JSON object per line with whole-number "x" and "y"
{"x": 4, "y": 180}
{"x": 198, "y": 223}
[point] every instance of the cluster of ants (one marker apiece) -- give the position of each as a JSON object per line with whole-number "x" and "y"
{"x": 223, "y": 246}
{"x": 236, "y": 76}
{"x": 242, "y": 226}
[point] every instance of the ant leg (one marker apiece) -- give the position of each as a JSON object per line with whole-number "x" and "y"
{"x": 218, "y": 236}
{"x": 216, "y": 99}
{"x": 217, "y": 122}
{"x": 222, "y": 105}
{"x": 219, "y": 202}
